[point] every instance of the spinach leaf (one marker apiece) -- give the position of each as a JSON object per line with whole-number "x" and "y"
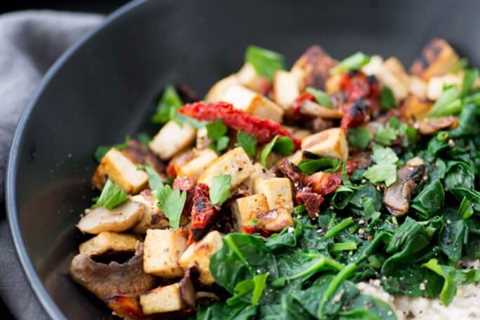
{"x": 467, "y": 122}
{"x": 367, "y": 307}
{"x": 249, "y": 291}
{"x": 430, "y": 200}
{"x": 222, "y": 311}
{"x": 412, "y": 281}
{"x": 410, "y": 238}
{"x": 448, "y": 104}
{"x": 359, "y": 138}
{"x": 449, "y": 288}
{"x": 453, "y": 236}
{"x": 310, "y": 166}
{"x": 241, "y": 257}
{"x": 459, "y": 174}
{"x": 387, "y": 99}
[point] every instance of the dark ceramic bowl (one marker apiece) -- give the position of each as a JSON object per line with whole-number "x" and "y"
{"x": 104, "y": 88}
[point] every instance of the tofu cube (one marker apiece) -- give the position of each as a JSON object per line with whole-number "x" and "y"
{"x": 391, "y": 73}
{"x": 162, "y": 250}
{"x": 248, "y": 77}
{"x": 122, "y": 171}
{"x": 328, "y": 143}
{"x": 418, "y": 87}
{"x": 277, "y": 191}
{"x": 286, "y": 88}
{"x": 171, "y": 139}
{"x": 197, "y": 165}
{"x": 162, "y": 300}
{"x": 235, "y": 163}
{"x": 274, "y": 220}
{"x": 218, "y": 89}
{"x": 246, "y": 209}
{"x": 198, "y": 255}
{"x": 252, "y": 102}
{"x": 108, "y": 241}
{"x": 438, "y": 58}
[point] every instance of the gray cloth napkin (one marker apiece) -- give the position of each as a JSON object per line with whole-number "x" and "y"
{"x": 30, "y": 42}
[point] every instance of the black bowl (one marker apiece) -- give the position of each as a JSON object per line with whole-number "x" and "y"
{"x": 104, "y": 88}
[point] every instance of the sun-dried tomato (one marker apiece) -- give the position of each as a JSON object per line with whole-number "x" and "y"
{"x": 357, "y": 85}
{"x": 325, "y": 183}
{"x": 263, "y": 129}
{"x": 203, "y": 212}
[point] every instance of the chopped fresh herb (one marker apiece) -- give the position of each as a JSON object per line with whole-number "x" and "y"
{"x": 359, "y": 138}
{"x": 384, "y": 155}
{"x": 385, "y": 169}
{"x": 167, "y": 107}
{"x": 220, "y": 189}
{"x": 387, "y": 99}
{"x": 265, "y": 62}
{"x": 112, "y": 196}
{"x": 353, "y": 62}
{"x": 310, "y": 166}
{"x": 171, "y": 203}
{"x": 469, "y": 78}
{"x": 248, "y": 143}
{"x": 279, "y": 144}
{"x": 321, "y": 97}
{"x": 155, "y": 182}
{"x": 216, "y": 132}
{"x": 386, "y": 135}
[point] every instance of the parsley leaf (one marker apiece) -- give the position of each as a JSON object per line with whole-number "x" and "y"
{"x": 101, "y": 151}
{"x": 353, "y": 62}
{"x": 171, "y": 202}
{"x": 216, "y": 132}
{"x": 167, "y": 107}
{"x": 112, "y": 196}
{"x": 220, "y": 189}
{"x": 359, "y": 138}
{"x": 387, "y": 99}
{"x": 154, "y": 180}
{"x": 385, "y": 135}
{"x": 321, "y": 97}
{"x": 385, "y": 169}
{"x": 280, "y": 144}
{"x": 247, "y": 142}
{"x": 264, "y": 61}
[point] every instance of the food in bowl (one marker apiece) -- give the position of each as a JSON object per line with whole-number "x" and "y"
{"x": 333, "y": 190}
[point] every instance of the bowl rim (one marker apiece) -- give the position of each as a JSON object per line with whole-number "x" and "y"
{"x": 42, "y": 295}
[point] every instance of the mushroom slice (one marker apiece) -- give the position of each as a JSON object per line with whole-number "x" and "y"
{"x": 431, "y": 125}
{"x": 107, "y": 281}
{"x": 314, "y": 67}
{"x": 311, "y": 108}
{"x": 152, "y": 217}
{"x": 397, "y": 196}
{"x": 119, "y": 219}
{"x": 108, "y": 241}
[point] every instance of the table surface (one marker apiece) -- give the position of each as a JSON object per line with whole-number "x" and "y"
{"x": 103, "y": 6}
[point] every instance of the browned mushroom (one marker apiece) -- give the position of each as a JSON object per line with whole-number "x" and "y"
{"x": 397, "y": 196}
{"x": 431, "y": 125}
{"x": 119, "y": 219}
{"x": 138, "y": 153}
{"x": 109, "y": 280}
{"x": 314, "y": 66}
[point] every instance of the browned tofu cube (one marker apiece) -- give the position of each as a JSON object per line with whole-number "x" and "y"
{"x": 246, "y": 209}
{"x": 162, "y": 252}
{"x": 122, "y": 171}
{"x": 198, "y": 255}
{"x": 438, "y": 58}
{"x": 328, "y": 143}
{"x": 162, "y": 300}
{"x": 171, "y": 139}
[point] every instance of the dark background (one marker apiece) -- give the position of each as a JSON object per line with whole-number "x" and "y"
{"x": 99, "y": 6}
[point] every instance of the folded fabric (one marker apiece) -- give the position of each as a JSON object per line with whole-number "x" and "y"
{"x": 30, "y": 42}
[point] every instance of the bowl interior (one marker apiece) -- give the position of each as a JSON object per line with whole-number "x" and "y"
{"x": 106, "y": 90}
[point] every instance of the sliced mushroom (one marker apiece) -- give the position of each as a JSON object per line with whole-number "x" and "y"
{"x": 119, "y": 219}
{"x": 187, "y": 291}
{"x": 107, "y": 281}
{"x": 437, "y": 58}
{"x": 152, "y": 217}
{"x": 397, "y": 196}
{"x": 108, "y": 241}
{"x": 431, "y": 125}
{"x": 314, "y": 67}
{"x": 313, "y": 109}
{"x": 140, "y": 154}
